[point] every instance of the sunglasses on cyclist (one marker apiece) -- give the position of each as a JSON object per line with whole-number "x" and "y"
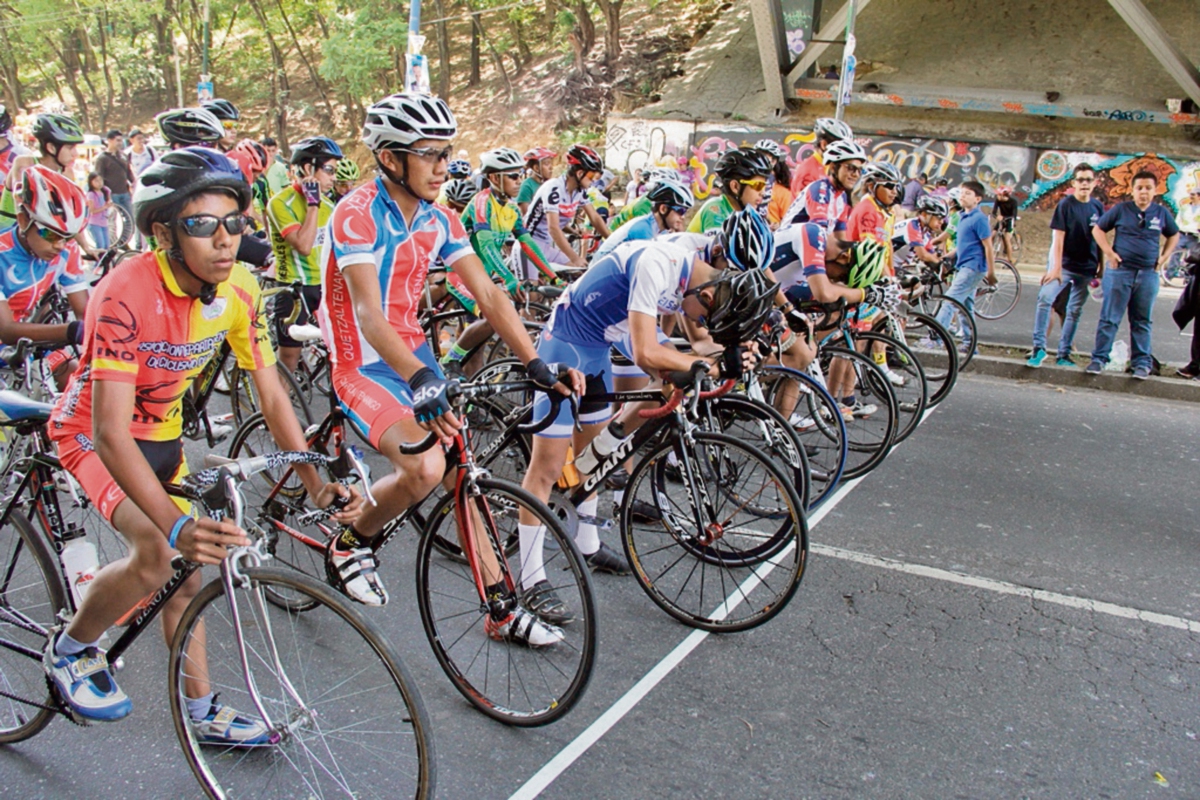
{"x": 431, "y": 155}
{"x": 513, "y": 176}
{"x": 203, "y": 226}
{"x": 49, "y": 235}
{"x": 228, "y": 124}
{"x": 757, "y": 184}
{"x": 680, "y": 210}
{"x": 895, "y": 187}
{"x": 330, "y": 169}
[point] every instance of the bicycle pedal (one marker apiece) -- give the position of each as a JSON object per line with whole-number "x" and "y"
{"x": 600, "y": 522}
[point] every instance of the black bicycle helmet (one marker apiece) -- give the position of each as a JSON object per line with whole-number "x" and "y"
{"x": 742, "y": 163}
{"x": 581, "y": 156}
{"x": 741, "y": 303}
{"x": 190, "y": 126}
{"x": 747, "y": 240}
{"x": 315, "y": 148}
{"x": 57, "y": 129}
{"x": 222, "y": 109}
{"x": 6, "y": 120}
{"x": 177, "y": 176}
{"x": 671, "y": 193}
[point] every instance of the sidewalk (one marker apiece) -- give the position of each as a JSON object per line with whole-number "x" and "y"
{"x": 1003, "y": 361}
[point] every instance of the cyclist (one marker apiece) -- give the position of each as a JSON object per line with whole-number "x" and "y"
{"x": 58, "y": 137}
{"x": 489, "y": 220}
{"x": 641, "y": 205}
{"x": 229, "y": 115}
{"x": 775, "y": 191}
{"x": 553, "y": 209}
{"x": 828, "y": 199}
{"x": 37, "y": 253}
{"x": 669, "y": 202}
{"x": 621, "y": 297}
{"x": 152, "y": 325}
{"x": 949, "y": 234}
{"x": 344, "y": 180}
{"x": 1004, "y": 218}
{"x": 299, "y": 216}
{"x": 827, "y": 131}
{"x": 459, "y": 169}
{"x": 252, "y": 158}
{"x": 539, "y": 167}
{"x": 8, "y": 150}
{"x": 742, "y": 175}
{"x": 456, "y": 194}
{"x": 914, "y": 240}
{"x": 871, "y": 217}
{"x": 383, "y": 238}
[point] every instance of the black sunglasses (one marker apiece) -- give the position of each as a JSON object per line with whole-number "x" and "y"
{"x": 203, "y": 226}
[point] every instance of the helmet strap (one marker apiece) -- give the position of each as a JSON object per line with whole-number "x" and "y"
{"x": 208, "y": 291}
{"x": 400, "y": 180}
{"x": 498, "y": 187}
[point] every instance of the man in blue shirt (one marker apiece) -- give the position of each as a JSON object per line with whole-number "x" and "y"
{"x": 974, "y": 253}
{"x": 1132, "y": 280}
{"x": 1074, "y": 259}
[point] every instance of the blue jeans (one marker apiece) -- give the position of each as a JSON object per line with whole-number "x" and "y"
{"x": 125, "y": 201}
{"x": 1045, "y": 300}
{"x": 962, "y": 289}
{"x": 99, "y": 236}
{"x": 1135, "y": 290}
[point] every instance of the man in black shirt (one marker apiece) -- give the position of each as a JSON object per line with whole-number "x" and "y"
{"x": 1074, "y": 260}
{"x": 1005, "y": 214}
{"x": 113, "y": 168}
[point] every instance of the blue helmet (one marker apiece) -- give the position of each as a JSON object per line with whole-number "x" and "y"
{"x": 315, "y": 148}
{"x": 747, "y": 241}
{"x": 459, "y": 168}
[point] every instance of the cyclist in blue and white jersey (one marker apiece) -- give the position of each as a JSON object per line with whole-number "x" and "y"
{"x": 670, "y": 203}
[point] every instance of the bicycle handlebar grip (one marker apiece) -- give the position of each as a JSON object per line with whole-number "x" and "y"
{"x": 556, "y": 401}
{"x": 416, "y": 448}
{"x": 683, "y": 378}
{"x": 662, "y": 411}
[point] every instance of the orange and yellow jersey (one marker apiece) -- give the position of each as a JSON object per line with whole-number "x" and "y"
{"x": 142, "y": 329}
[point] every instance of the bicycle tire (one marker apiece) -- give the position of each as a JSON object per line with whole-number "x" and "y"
{"x": 935, "y": 348}
{"x": 913, "y": 397}
{"x": 496, "y": 676}
{"x": 656, "y": 548}
{"x": 32, "y": 592}
{"x": 994, "y": 302}
{"x": 967, "y": 337}
{"x": 397, "y": 751}
{"x": 823, "y": 433}
{"x": 243, "y": 396}
{"x": 764, "y": 427}
{"x": 869, "y": 438}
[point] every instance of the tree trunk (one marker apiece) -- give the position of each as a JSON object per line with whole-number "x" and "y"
{"x": 163, "y": 50}
{"x": 281, "y": 90}
{"x": 312, "y": 72}
{"x": 69, "y": 60}
{"x": 108, "y": 81}
{"x": 82, "y": 64}
{"x": 612, "y": 30}
{"x": 474, "y": 79}
{"x": 587, "y": 27}
{"x": 443, "y": 42}
{"x": 9, "y": 67}
{"x": 496, "y": 59}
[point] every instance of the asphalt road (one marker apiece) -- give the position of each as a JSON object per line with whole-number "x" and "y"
{"x": 914, "y": 661}
{"x": 1016, "y": 328}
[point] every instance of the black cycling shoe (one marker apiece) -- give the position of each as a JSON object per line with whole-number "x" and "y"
{"x": 453, "y": 370}
{"x": 617, "y": 480}
{"x": 543, "y": 601}
{"x": 608, "y": 560}
{"x": 641, "y": 511}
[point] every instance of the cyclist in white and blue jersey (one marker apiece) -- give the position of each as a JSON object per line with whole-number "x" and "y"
{"x": 622, "y": 295}
{"x": 670, "y": 203}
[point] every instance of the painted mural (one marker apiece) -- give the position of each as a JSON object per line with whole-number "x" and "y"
{"x": 1039, "y": 177}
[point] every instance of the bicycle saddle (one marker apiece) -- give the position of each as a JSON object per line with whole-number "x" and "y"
{"x": 16, "y": 408}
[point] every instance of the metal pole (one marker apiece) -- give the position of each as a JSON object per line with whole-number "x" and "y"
{"x": 178, "y": 76}
{"x": 846, "y": 84}
{"x": 207, "y": 37}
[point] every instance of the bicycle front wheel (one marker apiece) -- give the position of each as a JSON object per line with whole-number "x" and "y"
{"x": 31, "y": 594}
{"x": 994, "y": 302}
{"x": 727, "y": 553}
{"x": 511, "y": 682}
{"x": 345, "y": 717}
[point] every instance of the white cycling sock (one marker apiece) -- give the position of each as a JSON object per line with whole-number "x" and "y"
{"x": 533, "y": 568}
{"x": 588, "y": 537}
{"x": 198, "y": 707}
{"x": 66, "y": 646}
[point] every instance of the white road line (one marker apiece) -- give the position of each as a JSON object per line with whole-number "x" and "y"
{"x": 556, "y": 766}
{"x": 1004, "y": 587}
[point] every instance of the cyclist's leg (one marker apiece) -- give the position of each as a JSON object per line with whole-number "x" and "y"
{"x": 288, "y": 348}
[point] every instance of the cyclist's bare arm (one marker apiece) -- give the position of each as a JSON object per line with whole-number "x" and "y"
{"x": 285, "y": 430}
{"x": 560, "y": 240}
{"x": 648, "y": 353}
{"x": 598, "y": 223}
{"x": 112, "y": 408}
{"x": 11, "y": 330}
{"x": 826, "y": 291}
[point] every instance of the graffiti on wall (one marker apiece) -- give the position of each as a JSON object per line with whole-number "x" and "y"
{"x": 633, "y": 144}
{"x": 1114, "y": 178}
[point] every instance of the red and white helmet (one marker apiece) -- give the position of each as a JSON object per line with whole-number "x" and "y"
{"x": 53, "y": 201}
{"x": 251, "y": 157}
{"x": 538, "y": 153}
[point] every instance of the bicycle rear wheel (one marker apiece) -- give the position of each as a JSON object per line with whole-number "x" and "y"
{"x": 935, "y": 348}
{"x": 961, "y": 325}
{"x": 31, "y": 595}
{"x": 869, "y": 436}
{"x": 515, "y": 684}
{"x": 762, "y": 426}
{"x": 738, "y": 565}
{"x": 346, "y": 717}
{"x": 818, "y": 424}
{"x": 994, "y": 302}
{"x": 911, "y": 397}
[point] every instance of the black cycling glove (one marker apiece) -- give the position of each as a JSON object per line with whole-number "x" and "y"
{"x": 429, "y": 395}
{"x": 543, "y": 374}
{"x": 75, "y": 332}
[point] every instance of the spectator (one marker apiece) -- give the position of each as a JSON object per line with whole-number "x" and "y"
{"x": 1188, "y": 310}
{"x": 632, "y": 186}
{"x": 98, "y": 203}
{"x": 942, "y": 189}
{"x": 913, "y": 191}
{"x": 140, "y": 156}
{"x": 1005, "y": 214}
{"x": 973, "y": 254}
{"x": 113, "y": 167}
{"x": 277, "y": 173}
{"x": 1074, "y": 261}
{"x": 832, "y": 73}
{"x": 1131, "y": 280}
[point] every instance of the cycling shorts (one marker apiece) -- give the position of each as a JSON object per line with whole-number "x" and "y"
{"x": 625, "y": 347}
{"x": 1007, "y": 225}
{"x": 596, "y": 365}
{"x": 863, "y": 316}
{"x": 552, "y": 254}
{"x": 283, "y": 309}
{"x": 78, "y": 456}
{"x": 375, "y": 397}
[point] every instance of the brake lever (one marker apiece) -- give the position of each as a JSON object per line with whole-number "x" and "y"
{"x": 360, "y": 469}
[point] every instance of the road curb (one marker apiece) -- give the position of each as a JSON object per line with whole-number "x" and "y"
{"x": 1154, "y": 386}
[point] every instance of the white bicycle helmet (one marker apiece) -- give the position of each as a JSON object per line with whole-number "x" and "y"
{"x": 502, "y": 159}
{"x": 401, "y": 119}
{"x": 656, "y": 175}
{"x": 835, "y": 129}
{"x": 933, "y": 205}
{"x": 671, "y": 193}
{"x": 882, "y": 172}
{"x": 838, "y": 152}
{"x": 773, "y": 147}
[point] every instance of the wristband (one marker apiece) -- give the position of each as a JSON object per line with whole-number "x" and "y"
{"x": 864, "y": 291}
{"x": 74, "y": 332}
{"x": 421, "y": 377}
{"x": 176, "y": 529}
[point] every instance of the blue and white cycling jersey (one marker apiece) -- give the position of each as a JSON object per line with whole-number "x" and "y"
{"x": 637, "y": 229}
{"x": 648, "y": 277}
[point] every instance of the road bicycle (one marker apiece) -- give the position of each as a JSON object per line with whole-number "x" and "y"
{"x": 517, "y": 685}
{"x": 346, "y": 722}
